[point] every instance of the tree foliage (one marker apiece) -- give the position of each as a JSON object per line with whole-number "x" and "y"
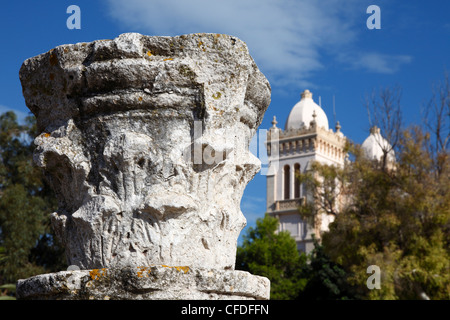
{"x": 326, "y": 187}
{"x": 274, "y": 255}
{"x": 26, "y": 240}
{"x": 396, "y": 217}
{"x": 326, "y": 280}
{"x": 293, "y": 275}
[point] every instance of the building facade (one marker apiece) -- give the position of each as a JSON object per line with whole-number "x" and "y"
{"x": 306, "y": 138}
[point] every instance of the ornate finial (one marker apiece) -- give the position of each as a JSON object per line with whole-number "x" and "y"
{"x": 306, "y": 94}
{"x": 374, "y": 130}
{"x": 338, "y": 127}
{"x": 274, "y": 122}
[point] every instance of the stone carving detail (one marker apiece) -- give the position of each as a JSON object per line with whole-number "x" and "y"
{"x": 123, "y": 124}
{"x": 288, "y": 204}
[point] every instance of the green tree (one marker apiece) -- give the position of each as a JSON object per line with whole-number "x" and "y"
{"x": 326, "y": 280}
{"x": 26, "y": 201}
{"x": 398, "y": 220}
{"x": 395, "y": 216}
{"x": 274, "y": 255}
{"x": 326, "y": 186}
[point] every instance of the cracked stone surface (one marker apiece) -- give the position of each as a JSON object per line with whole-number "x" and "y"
{"x": 145, "y": 283}
{"x": 145, "y": 142}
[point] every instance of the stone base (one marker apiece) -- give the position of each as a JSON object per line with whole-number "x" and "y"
{"x": 145, "y": 283}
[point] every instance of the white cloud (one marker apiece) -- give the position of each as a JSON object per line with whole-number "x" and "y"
{"x": 284, "y": 37}
{"x": 287, "y": 38}
{"x": 377, "y": 62}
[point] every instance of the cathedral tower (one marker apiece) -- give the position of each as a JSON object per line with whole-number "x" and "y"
{"x": 305, "y": 138}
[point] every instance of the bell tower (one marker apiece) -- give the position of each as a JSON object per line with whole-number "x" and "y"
{"x": 306, "y": 138}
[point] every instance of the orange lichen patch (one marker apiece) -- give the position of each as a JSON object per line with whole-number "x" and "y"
{"x": 140, "y": 99}
{"x": 96, "y": 274}
{"x": 47, "y": 134}
{"x": 53, "y": 58}
{"x": 185, "y": 269}
{"x": 168, "y": 59}
{"x": 200, "y": 44}
{"x": 142, "y": 270}
{"x": 216, "y": 38}
{"x": 149, "y": 53}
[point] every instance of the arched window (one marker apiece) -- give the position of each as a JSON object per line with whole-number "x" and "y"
{"x": 287, "y": 182}
{"x": 296, "y": 181}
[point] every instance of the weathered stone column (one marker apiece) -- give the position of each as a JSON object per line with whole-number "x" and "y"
{"x": 145, "y": 142}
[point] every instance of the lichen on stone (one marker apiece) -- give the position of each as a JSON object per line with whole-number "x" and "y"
{"x": 97, "y": 274}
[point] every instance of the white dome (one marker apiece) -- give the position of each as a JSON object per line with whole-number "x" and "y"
{"x": 302, "y": 113}
{"x": 374, "y": 144}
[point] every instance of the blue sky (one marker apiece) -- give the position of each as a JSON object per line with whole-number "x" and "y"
{"x": 324, "y": 46}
